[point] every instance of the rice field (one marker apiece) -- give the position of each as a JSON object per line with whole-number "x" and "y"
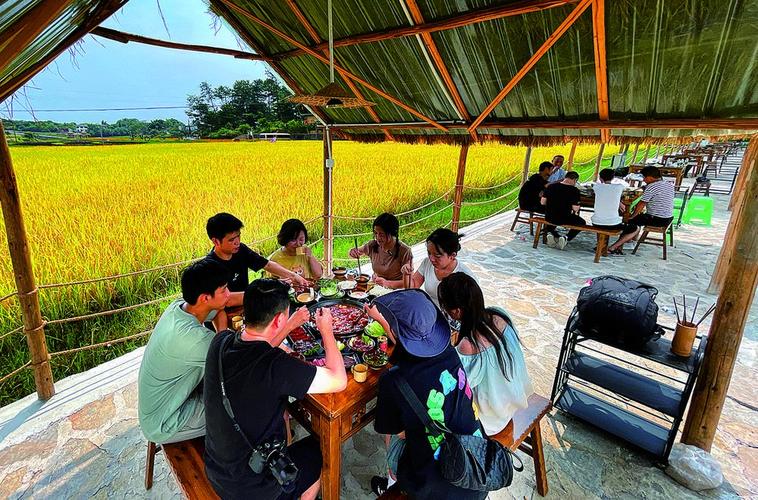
{"x": 102, "y": 210}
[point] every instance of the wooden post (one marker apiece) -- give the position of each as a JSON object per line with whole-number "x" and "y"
{"x": 647, "y": 153}
{"x": 570, "y": 165}
{"x": 599, "y": 160}
{"x": 527, "y": 159}
{"x": 459, "y": 179}
{"x": 738, "y": 195}
{"x": 21, "y": 260}
{"x": 725, "y": 335}
{"x": 634, "y": 154}
{"x": 328, "y": 201}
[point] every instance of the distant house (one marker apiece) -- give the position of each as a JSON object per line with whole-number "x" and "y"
{"x": 82, "y": 129}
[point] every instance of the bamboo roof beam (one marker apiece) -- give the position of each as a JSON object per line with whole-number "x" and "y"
{"x": 554, "y": 37}
{"x": 27, "y": 27}
{"x": 291, "y": 83}
{"x": 747, "y": 124}
{"x": 100, "y": 14}
{"x": 436, "y": 57}
{"x": 471, "y": 17}
{"x": 316, "y": 38}
{"x": 120, "y": 36}
{"x": 342, "y": 71}
{"x": 601, "y": 68}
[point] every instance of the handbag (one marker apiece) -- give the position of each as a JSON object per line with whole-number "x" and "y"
{"x": 469, "y": 462}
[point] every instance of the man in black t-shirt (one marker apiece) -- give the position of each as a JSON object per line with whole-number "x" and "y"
{"x": 424, "y": 358}
{"x": 224, "y": 232}
{"x": 259, "y": 377}
{"x": 561, "y": 202}
{"x": 531, "y": 191}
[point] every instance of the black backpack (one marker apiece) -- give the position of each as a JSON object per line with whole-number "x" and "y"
{"x": 619, "y": 310}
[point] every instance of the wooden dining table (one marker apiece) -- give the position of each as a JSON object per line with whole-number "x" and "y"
{"x": 666, "y": 171}
{"x": 334, "y": 418}
{"x": 587, "y": 199}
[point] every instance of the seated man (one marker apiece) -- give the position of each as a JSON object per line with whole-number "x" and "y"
{"x": 557, "y": 174}
{"x": 430, "y": 366}
{"x": 658, "y": 203}
{"x": 561, "y": 202}
{"x": 170, "y": 392}
{"x": 530, "y": 193}
{"x": 248, "y": 381}
{"x": 224, "y": 232}
{"x": 608, "y": 204}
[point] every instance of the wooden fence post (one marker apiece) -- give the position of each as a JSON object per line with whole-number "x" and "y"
{"x": 21, "y": 260}
{"x": 599, "y": 160}
{"x": 459, "y": 179}
{"x": 527, "y": 159}
{"x": 570, "y": 165}
{"x": 725, "y": 335}
{"x": 328, "y": 202}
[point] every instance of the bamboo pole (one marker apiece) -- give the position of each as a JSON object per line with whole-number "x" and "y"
{"x": 647, "y": 153}
{"x": 729, "y": 319}
{"x": 459, "y": 180}
{"x": 634, "y": 153}
{"x": 21, "y": 260}
{"x": 328, "y": 201}
{"x": 599, "y": 161}
{"x": 601, "y": 68}
{"x": 472, "y": 16}
{"x": 527, "y": 159}
{"x": 570, "y": 165}
{"x": 551, "y": 40}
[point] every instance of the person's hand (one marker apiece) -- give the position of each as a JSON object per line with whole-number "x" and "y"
{"x": 296, "y": 278}
{"x": 354, "y": 253}
{"x": 324, "y": 321}
{"x": 407, "y": 268}
{"x": 299, "y": 317}
{"x": 307, "y": 250}
{"x": 373, "y": 312}
{"x": 380, "y": 281}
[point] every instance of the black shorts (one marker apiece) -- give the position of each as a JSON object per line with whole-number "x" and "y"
{"x": 651, "y": 220}
{"x": 306, "y": 455}
{"x": 626, "y": 228}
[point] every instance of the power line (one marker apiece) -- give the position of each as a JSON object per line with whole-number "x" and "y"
{"x": 95, "y": 109}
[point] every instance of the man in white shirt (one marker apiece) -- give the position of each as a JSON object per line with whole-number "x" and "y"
{"x": 608, "y": 206}
{"x": 658, "y": 203}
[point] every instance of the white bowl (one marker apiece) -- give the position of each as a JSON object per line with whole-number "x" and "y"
{"x": 347, "y": 285}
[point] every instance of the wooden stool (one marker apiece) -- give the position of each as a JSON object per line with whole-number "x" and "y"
{"x": 152, "y": 449}
{"x": 523, "y": 219}
{"x": 659, "y": 242}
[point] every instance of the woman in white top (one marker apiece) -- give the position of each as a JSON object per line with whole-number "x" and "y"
{"x": 442, "y": 247}
{"x": 490, "y": 351}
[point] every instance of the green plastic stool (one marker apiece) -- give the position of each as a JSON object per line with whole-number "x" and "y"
{"x": 699, "y": 210}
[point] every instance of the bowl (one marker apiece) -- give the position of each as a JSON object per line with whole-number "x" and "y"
{"x": 305, "y": 298}
{"x": 347, "y": 285}
{"x": 339, "y": 272}
{"x": 358, "y": 295}
{"x": 363, "y": 279}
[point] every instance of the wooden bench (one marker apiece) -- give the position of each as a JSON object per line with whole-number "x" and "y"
{"x": 523, "y": 219}
{"x": 523, "y": 433}
{"x": 602, "y": 235}
{"x": 185, "y": 460}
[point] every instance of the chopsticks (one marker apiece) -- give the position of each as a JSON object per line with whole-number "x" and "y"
{"x": 682, "y": 318}
{"x": 355, "y": 240}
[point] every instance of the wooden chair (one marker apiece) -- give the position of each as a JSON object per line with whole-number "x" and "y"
{"x": 185, "y": 459}
{"x": 523, "y": 433}
{"x": 659, "y": 242}
{"x": 523, "y": 219}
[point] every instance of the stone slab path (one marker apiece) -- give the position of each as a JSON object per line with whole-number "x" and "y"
{"x": 86, "y": 443}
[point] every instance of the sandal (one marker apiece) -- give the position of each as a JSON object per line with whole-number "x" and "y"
{"x": 379, "y": 485}
{"x": 618, "y": 251}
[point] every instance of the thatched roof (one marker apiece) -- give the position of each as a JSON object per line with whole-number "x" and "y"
{"x": 434, "y": 66}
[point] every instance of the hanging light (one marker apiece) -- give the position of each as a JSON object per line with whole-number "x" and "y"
{"x": 332, "y": 95}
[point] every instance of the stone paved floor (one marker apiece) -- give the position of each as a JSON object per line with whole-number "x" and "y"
{"x": 85, "y": 442}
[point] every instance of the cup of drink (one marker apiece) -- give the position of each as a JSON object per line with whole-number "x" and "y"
{"x": 237, "y": 322}
{"x": 360, "y": 371}
{"x": 300, "y": 251}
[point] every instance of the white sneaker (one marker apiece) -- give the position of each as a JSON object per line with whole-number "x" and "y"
{"x": 551, "y": 241}
{"x": 562, "y": 242}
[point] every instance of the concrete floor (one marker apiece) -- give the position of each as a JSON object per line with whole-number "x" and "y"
{"x": 85, "y": 442}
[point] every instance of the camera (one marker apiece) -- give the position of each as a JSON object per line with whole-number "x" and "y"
{"x": 272, "y": 457}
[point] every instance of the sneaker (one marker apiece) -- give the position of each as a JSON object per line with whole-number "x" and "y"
{"x": 562, "y": 243}
{"x": 379, "y": 485}
{"x": 551, "y": 241}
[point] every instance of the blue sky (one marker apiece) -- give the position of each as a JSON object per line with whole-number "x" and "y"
{"x": 108, "y": 74}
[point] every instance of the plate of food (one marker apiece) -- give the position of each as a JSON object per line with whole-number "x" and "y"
{"x": 361, "y": 343}
{"x": 348, "y": 361}
{"x": 357, "y": 295}
{"x": 329, "y": 289}
{"x": 307, "y": 348}
{"x": 374, "y": 329}
{"x": 347, "y": 285}
{"x": 300, "y": 334}
{"x": 375, "y": 359}
{"x": 348, "y": 316}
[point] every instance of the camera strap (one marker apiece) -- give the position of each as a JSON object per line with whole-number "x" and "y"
{"x": 225, "y": 400}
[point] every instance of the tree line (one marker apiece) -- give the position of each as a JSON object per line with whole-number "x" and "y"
{"x": 223, "y": 112}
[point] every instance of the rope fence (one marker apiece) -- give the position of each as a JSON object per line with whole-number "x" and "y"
{"x": 473, "y": 203}
{"x": 401, "y": 214}
{"x": 14, "y": 372}
{"x": 505, "y": 208}
{"x": 495, "y": 186}
{"x": 107, "y": 343}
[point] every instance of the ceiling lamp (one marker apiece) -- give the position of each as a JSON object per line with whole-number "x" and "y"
{"x": 333, "y": 95}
